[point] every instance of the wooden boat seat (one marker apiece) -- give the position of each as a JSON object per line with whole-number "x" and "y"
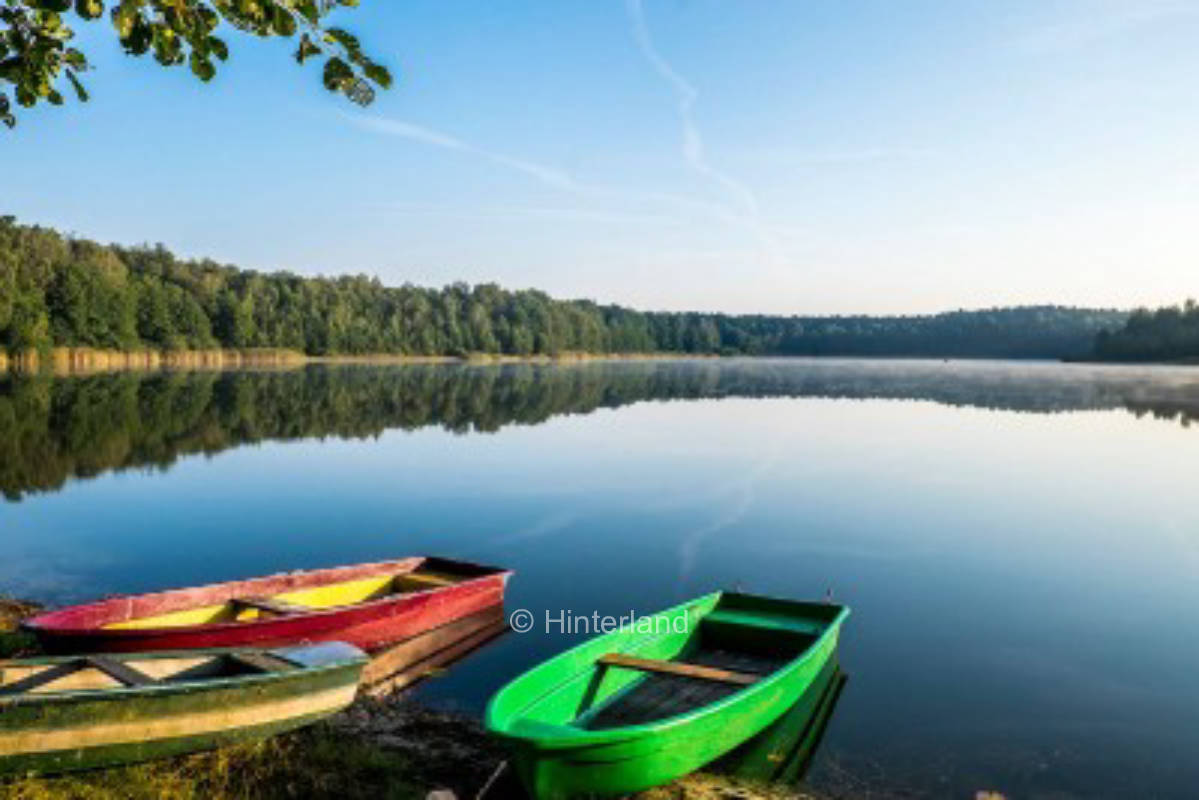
{"x": 270, "y": 606}
{"x": 119, "y": 671}
{"x": 678, "y": 668}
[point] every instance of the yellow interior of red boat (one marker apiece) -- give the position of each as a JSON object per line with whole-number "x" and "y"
{"x": 314, "y": 598}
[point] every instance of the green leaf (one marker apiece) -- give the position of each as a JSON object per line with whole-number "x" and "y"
{"x": 202, "y": 68}
{"x": 306, "y": 49}
{"x": 123, "y": 18}
{"x": 54, "y": 98}
{"x": 209, "y": 18}
{"x": 378, "y": 73}
{"x": 80, "y": 92}
{"x": 336, "y": 74}
{"x": 343, "y": 38}
{"x": 89, "y": 9}
{"x": 308, "y": 11}
{"x": 75, "y": 59}
{"x": 284, "y": 24}
{"x": 140, "y": 37}
{"x": 218, "y": 48}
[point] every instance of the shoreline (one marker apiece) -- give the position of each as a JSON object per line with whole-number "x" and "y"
{"x": 86, "y": 361}
{"x": 1188, "y": 361}
{"x": 68, "y": 361}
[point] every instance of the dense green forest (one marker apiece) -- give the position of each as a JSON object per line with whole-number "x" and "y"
{"x": 69, "y": 292}
{"x": 56, "y": 429}
{"x": 1167, "y": 334}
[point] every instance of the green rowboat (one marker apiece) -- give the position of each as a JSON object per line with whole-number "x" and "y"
{"x": 663, "y": 696}
{"x": 65, "y": 714}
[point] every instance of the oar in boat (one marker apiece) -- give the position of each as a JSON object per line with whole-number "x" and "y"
{"x": 663, "y": 696}
{"x": 369, "y": 606}
{"x": 64, "y": 714}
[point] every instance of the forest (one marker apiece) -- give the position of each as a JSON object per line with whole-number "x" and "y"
{"x": 1164, "y": 334}
{"x": 64, "y": 291}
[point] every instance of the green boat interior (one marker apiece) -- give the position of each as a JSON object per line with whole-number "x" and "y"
{"x": 696, "y": 654}
{"x": 98, "y": 673}
{"x": 717, "y": 660}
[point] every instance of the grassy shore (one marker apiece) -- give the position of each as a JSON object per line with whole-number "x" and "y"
{"x": 379, "y": 749}
{"x": 83, "y": 360}
{"x": 14, "y": 644}
{"x": 388, "y": 750}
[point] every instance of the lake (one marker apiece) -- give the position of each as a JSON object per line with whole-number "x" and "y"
{"x": 1019, "y": 542}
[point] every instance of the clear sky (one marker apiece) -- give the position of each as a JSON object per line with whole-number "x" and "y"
{"x": 737, "y": 155}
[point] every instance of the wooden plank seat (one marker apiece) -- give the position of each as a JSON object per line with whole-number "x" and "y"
{"x": 270, "y": 606}
{"x": 678, "y": 668}
{"x": 119, "y": 671}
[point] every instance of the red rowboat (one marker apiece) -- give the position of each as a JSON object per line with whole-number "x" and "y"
{"x": 369, "y": 606}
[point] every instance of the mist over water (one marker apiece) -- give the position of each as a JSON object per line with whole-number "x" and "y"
{"x": 1017, "y": 540}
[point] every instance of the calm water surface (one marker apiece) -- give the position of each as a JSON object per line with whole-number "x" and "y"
{"x": 1019, "y": 542}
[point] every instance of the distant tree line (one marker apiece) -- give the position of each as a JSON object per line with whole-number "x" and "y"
{"x": 1166, "y": 334}
{"x": 63, "y": 291}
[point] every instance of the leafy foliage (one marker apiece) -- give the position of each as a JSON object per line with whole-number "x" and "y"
{"x": 56, "y": 291}
{"x": 35, "y": 37}
{"x": 1167, "y": 334}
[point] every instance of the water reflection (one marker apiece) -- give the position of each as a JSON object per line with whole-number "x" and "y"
{"x": 55, "y": 429}
{"x": 395, "y": 669}
{"x": 783, "y": 753}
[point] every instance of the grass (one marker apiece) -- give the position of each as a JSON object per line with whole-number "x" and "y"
{"x": 324, "y": 763}
{"x": 13, "y": 643}
{"x": 308, "y": 764}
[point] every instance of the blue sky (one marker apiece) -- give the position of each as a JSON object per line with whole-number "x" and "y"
{"x": 738, "y": 155}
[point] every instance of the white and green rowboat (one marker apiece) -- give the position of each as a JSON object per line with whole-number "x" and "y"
{"x": 65, "y": 714}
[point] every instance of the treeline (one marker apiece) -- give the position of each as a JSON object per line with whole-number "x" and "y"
{"x": 1166, "y": 334}
{"x": 56, "y": 429}
{"x": 59, "y": 291}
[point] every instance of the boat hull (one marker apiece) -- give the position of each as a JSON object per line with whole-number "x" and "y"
{"x": 368, "y": 626}
{"x": 66, "y": 732}
{"x": 782, "y": 753}
{"x": 573, "y": 763}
